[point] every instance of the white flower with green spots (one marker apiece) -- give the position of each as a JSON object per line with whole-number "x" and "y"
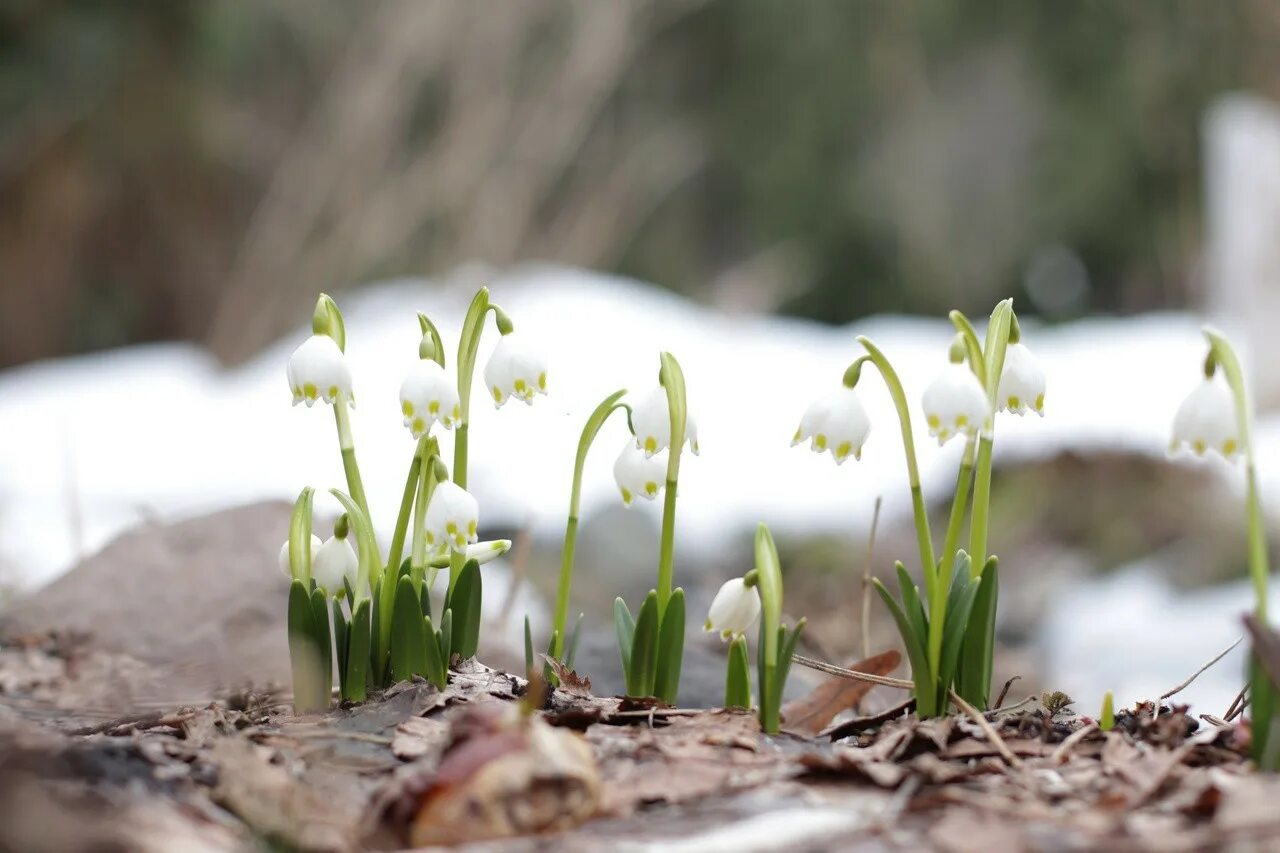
{"x": 955, "y": 403}
{"x": 838, "y": 423}
{"x": 1022, "y": 382}
{"x": 734, "y": 610}
{"x": 638, "y": 475}
{"x": 334, "y": 561}
{"x": 515, "y": 370}
{"x": 318, "y": 370}
{"x": 1206, "y": 421}
{"x": 453, "y": 517}
{"x": 428, "y": 396}
{"x": 652, "y": 422}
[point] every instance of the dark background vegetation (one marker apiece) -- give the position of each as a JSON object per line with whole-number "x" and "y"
{"x": 193, "y": 169}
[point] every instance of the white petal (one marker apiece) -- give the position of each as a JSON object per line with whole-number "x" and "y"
{"x": 516, "y": 369}
{"x": 1206, "y": 420}
{"x": 427, "y": 397}
{"x": 317, "y": 369}
{"x": 452, "y": 517}
{"x": 955, "y": 403}
{"x": 284, "y": 555}
{"x": 1022, "y": 381}
{"x": 638, "y": 475}
{"x": 734, "y": 609}
{"x": 652, "y": 422}
{"x": 813, "y": 421}
{"x": 847, "y": 425}
{"x": 333, "y": 561}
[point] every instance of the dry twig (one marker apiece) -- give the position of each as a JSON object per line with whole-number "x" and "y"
{"x": 987, "y": 729}
{"x": 1176, "y": 690}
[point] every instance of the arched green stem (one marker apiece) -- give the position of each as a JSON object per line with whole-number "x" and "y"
{"x": 672, "y": 379}
{"x": 924, "y": 537}
{"x": 468, "y": 347}
{"x": 396, "y": 552}
{"x": 601, "y": 414}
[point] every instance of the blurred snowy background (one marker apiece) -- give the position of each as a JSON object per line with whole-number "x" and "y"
{"x": 747, "y": 184}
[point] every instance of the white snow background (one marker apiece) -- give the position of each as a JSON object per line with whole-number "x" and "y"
{"x": 93, "y": 444}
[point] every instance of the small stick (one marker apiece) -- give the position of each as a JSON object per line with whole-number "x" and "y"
{"x": 987, "y": 729}
{"x": 1215, "y": 721}
{"x": 1197, "y": 673}
{"x": 857, "y": 724}
{"x": 866, "y": 582}
{"x": 1060, "y": 754}
{"x": 337, "y": 734}
{"x": 1237, "y": 704}
{"x": 831, "y": 669}
{"x": 1004, "y": 691}
{"x": 1014, "y": 707}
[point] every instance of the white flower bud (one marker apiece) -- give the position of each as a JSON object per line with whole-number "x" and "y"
{"x": 734, "y": 610}
{"x": 1206, "y": 420}
{"x": 1021, "y": 382}
{"x": 333, "y": 561}
{"x": 955, "y": 403}
{"x": 318, "y": 370}
{"x": 515, "y": 370}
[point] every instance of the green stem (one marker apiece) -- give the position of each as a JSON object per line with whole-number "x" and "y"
{"x": 981, "y": 507}
{"x": 938, "y": 603}
{"x": 928, "y": 564}
{"x": 993, "y": 358}
{"x": 406, "y": 508}
{"x": 666, "y": 553}
{"x": 460, "y": 450}
{"x": 355, "y": 485}
{"x": 677, "y": 408}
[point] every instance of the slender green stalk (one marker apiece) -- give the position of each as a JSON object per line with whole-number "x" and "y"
{"x": 928, "y": 564}
{"x": 938, "y": 603}
{"x": 589, "y": 431}
{"x": 406, "y": 507}
{"x": 981, "y": 506}
{"x": 672, "y": 378}
{"x": 998, "y": 332}
{"x": 355, "y": 485}
{"x": 769, "y": 582}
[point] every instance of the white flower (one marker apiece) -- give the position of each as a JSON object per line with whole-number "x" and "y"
{"x": 652, "y": 422}
{"x": 1021, "y": 382}
{"x": 318, "y": 370}
{"x": 428, "y": 395}
{"x": 637, "y": 474}
{"x": 284, "y": 555}
{"x": 955, "y": 403}
{"x": 333, "y": 561}
{"x": 838, "y": 423}
{"x": 734, "y": 610}
{"x": 1206, "y": 420}
{"x": 515, "y": 370}
{"x": 452, "y": 517}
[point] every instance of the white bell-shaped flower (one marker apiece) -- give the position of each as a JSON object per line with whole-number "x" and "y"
{"x": 453, "y": 517}
{"x": 1206, "y": 420}
{"x": 638, "y": 475}
{"x": 1021, "y": 382}
{"x": 428, "y": 395}
{"x": 955, "y": 403}
{"x": 838, "y": 423}
{"x": 284, "y": 555}
{"x": 333, "y": 561}
{"x": 652, "y": 422}
{"x": 515, "y": 370}
{"x": 734, "y": 610}
{"x": 318, "y": 370}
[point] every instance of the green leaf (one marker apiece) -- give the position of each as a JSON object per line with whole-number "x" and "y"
{"x": 465, "y": 604}
{"x": 912, "y": 606}
{"x": 926, "y": 687}
{"x": 644, "y": 648}
{"x": 547, "y": 674}
{"x": 408, "y": 642}
{"x": 979, "y": 640}
{"x": 625, "y": 627}
{"x": 670, "y": 649}
{"x": 366, "y": 542}
{"x": 358, "y": 642}
{"x": 340, "y": 643}
{"x": 304, "y": 656}
{"x": 323, "y": 640}
{"x": 300, "y": 537}
{"x": 445, "y": 638}
{"x": 964, "y": 594}
{"x": 737, "y": 682}
{"x": 433, "y": 668}
{"x": 379, "y": 651}
{"x": 528, "y": 647}
{"x": 784, "y": 661}
{"x": 572, "y": 649}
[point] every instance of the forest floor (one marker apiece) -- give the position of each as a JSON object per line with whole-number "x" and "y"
{"x": 476, "y": 764}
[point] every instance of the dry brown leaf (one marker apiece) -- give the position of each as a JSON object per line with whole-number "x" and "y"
{"x": 810, "y": 714}
{"x": 570, "y": 681}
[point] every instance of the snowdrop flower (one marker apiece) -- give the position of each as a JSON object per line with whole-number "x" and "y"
{"x": 652, "y": 422}
{"x": 515, "y": 370}
{"x": 955, "y": 403}
{"x": 734, "y": 610}
{"x": 427, "y": 395}
{"x": 838, "y": 423}
{"x": 318, "y": 370}
{"x": 284, "y": 555}
{"x": 637, "y": 474}
{"x": 1206, "y": 420}
{"x": 1021, "y": 382}
{"x": 452, "y": 517}
{"x": 332, "y": 562}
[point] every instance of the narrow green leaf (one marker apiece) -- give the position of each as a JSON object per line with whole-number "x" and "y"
{"x": 465, "y": 604}
{"x": 788, "y": 651}
{"x": 926, "y": 689}
{"x": 572, "y": 649}
{"x": 433, "y": 668}
{"x": 959, "y": 614}
{"x": 912, "y": 606}
{"x": 300, "y": 537}
{"x": 304, "y": 656}
{"x": 625, "y": 627}
{"x": 340, "y": 643}
{"x": 323, "y": 640}
{"x": 445, "y": 639}
{"x": 737, "y": 682}
{"x": 644, "y": 648}
{"x": 358, "y": 642}
{"x": 547, "y": 674}
{"x": 379, "y": 668}
{"x": 974, "y": 682}
{"x": 666, "y": 684}
{"x": 408, "y": 642}
{"x": 528, "y": 647}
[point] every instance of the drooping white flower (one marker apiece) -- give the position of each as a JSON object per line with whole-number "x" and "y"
{"x": 284, "y": 555}
{"x": 453, "y": 517}
{"x": 838, "y": 423}
{"x": 333, "y": 561}
{"x": 1206, "y": 420}
{"x": 1021, "y": 382}
{"x": 955, "y": 403}
{"x": 638, "y": 475}
{"x": 652, "y": 422}
{"x": 428, "y": 395}
{"x": 318, "y": 370}
{"x": 515, "y": 370}
{"x": 734, "y": 610}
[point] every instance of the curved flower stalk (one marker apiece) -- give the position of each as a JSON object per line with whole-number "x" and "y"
{"x": 652, "y": 643}
{"x": 1212, "y": 419}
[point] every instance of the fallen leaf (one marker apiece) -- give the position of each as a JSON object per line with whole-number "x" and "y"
{"x": 570, "y": 681}
{"x": 810, "y": 714}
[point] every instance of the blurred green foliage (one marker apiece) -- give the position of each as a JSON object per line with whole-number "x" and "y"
{"x": 851, "y": 158}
